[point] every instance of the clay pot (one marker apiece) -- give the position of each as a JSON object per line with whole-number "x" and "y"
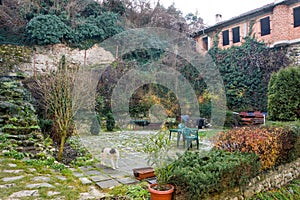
{"x": 161, "y": 195}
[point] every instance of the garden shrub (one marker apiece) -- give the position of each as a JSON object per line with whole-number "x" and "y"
{"x": 284, "y": 95}
{"x": 213, "y": 172}
{"x": 271, "y": 144}
{"x": 46, "y": 29}
{"x": 95, "y": 126}
{"x": 294, "y": 152}
{"x": 110, "y": 122}
{"x": 232, "y": 119}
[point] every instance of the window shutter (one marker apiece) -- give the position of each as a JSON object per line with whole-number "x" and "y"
{"x": 297, "y": 16}
{"x": 265, "y": 26}
{"x": 236, "y": 34}
{"x": 225, "y": 35}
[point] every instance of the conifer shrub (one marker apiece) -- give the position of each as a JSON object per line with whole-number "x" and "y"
{"x": 284, "y": 95}
{"x": 95, "y": 126}
{"x": 110, "y": 122}
{"x": 202, "y": 174}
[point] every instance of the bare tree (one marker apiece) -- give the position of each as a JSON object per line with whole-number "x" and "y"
{"x": 57, "y": 97}
{"x": 10, "y": 16}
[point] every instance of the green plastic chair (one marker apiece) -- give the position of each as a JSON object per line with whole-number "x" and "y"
{"x": 189, "y": 136}
{"x": 179, "y": 133}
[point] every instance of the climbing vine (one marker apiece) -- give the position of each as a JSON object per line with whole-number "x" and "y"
{"x": 246, "y": 71}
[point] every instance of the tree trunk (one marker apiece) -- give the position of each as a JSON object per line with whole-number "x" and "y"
{"x": 62, "y": 145}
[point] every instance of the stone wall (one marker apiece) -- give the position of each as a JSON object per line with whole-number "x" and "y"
{"x": 18, "y": 120}
{"x": 270, "y": 180}
{"x": 46, "y": 58}
{"x": 294, "y": 52}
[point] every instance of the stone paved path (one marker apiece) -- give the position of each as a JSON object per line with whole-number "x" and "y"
{"x": 130, "y": 145}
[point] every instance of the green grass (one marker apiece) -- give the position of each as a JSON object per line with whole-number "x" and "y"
{"x": 280, "y": 123}
{"x": 210, "y": 133}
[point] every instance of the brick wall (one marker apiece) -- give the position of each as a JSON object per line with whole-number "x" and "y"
{"x": 281, "y": 25}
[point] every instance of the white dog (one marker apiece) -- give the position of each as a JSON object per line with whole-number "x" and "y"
{"x": 111, "y": 153}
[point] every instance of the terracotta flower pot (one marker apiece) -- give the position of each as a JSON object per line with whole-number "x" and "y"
{"x": 160, "y": 195}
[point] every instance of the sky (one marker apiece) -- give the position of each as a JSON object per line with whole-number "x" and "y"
{"x": 208, "y": 9}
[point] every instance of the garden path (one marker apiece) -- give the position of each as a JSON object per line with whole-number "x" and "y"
{"x": 130, "y": 145}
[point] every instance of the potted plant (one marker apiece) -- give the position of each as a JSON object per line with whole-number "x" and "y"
{"x": 157, "y": 148}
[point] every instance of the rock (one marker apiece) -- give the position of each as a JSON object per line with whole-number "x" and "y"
{"x": 249, "y": 193}
{"x": 7, "y": 185}
{"x": 85, "y": 196}
{"x": 93, "y": 191}
{"x": 62, "y": 178}
{"x": 48, "y": 57}
{"x": 52, "y": 193}
{"x": 259, "y": 188}
{"x": 8, "y": 179}
{"x": 39, "y": 185}
{"x": 32, "y": 169}
{"x": 12, "y": 165}
{"x": 25, "y": 193}
{"x": 289, "y": 176}
{"x": 13, "y": 171}
{"x": 41, "y": 178}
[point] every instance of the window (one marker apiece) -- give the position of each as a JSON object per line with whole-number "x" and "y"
{"x": 297, "y": 16}
{"x": 265, "y": 26}
{"x": 236, "y": 34}
{"x": 225, "y": 35}
{"x": 205, "y": 43}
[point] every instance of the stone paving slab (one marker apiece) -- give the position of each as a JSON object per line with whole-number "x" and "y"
{"x": 86, "y": 168}
{"x": 7, "y": 179}
{"x": 119, "y": 174}
{"x": 127, "y": 181}
{"x": 77, "y": 174}
{"x": 107, "y": 184}
{"x": 99, "y": 178}
{"x": 93, "y": 172}
{"x": 39, "y": 185}
{"x": 41, "y": 178}
{"x": 110, "y": 171}
{"x": 85, "y": 180}
{"x": 25, "y": 193}
{"x": 11, "y": 171}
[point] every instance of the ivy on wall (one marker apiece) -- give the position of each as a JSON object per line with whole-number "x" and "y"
{"x": 246, "y": 71}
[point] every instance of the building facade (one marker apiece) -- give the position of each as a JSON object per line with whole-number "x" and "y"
{"x": 276, "y": 24}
